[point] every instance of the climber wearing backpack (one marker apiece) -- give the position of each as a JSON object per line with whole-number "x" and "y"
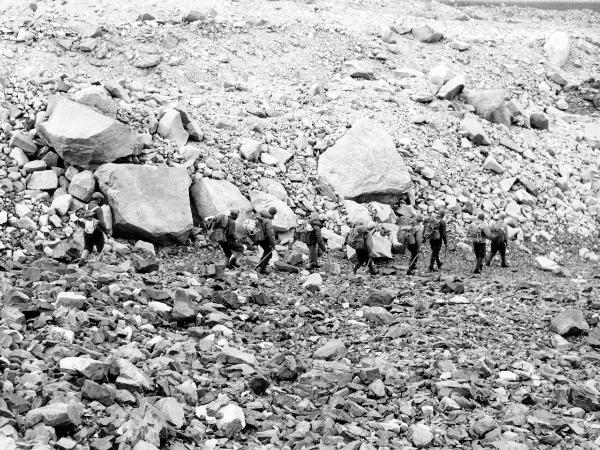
{"x": 316, "y": 243}
{"x": 414, "y": 239}
{"x": 479, "y": 232}
{"x": 499, "y": 240}
{"x": 435, "y": 231}
{"x": 93, "y": 230}
{"x": 267, "y": 243}
{"x": 223, "y": 231}
{"x": 361, "y": 240}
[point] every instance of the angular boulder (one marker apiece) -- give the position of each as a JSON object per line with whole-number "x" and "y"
{"x": 364, "y": 165}
{"x": 148, "y": 202}
{"x": 170, "y": 126}
{"x": 84, "y": 137}
{"x": 472, "y": 129}
{"x": 212, "y": 197}
{"x": 425, "y": 33}
{"x": 83, "y": 185}
{"x": 570, "y": 321}
{"x": 284, "y": 220}
{"x": 44, "y": 180}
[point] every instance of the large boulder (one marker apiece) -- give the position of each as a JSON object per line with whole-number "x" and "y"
{"x": 83, "y": 136}
{"x": 364, "y": 165}
{"x": 212, "y": 197}
{"x": 284, "y": 220}
{"x": 148, "y": 202}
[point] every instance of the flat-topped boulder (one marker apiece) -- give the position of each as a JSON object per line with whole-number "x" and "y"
{"x": 148, "y": 202}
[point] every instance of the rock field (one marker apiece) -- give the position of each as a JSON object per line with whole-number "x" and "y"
{"x": 363, "y": 110}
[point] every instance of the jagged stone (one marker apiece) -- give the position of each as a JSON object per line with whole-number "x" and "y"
{"x": 364, "y": 165}
{"x": 170, "y": 126}
{"x": 570, "y": 321}
{"x": 83, "y": 186}
{"x": 84, "y": 137}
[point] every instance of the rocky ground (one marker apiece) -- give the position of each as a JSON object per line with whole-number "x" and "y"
{"x": 156, "y": 347}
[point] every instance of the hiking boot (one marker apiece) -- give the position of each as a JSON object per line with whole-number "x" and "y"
{"x": 374, "y": 272}
{"x": 432, "y": 269}
{"x": 504, "y": 265}
{"x": 440, "y": 266}
{"x": 477, "y": 271}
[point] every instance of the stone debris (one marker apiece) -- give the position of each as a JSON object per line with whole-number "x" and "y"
{"x": 166, "y": 117}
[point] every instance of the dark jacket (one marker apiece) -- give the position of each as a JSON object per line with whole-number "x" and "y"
{"x": 267, "y": 220}
{"x": 443, "y": 233}
{"x": 230, "y": 233}
{"x": 316, "y": 225}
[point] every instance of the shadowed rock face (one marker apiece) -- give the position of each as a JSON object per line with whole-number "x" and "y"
{"x": 148, "y": 202}
{"x": 364, "y": 165}
{"x": 83, "y": 136}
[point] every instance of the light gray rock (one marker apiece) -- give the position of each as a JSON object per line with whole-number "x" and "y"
{"x": 170, "y": 126}
{"x": 472, "y": 129}
{"x": 378, "y": 315}
{"x": 96, "y": 97}
{"x": 452, "y": 88}
{"x": 44, "y": 180}
{"x": 359, "y": 69}
{"x": 83, "y": 186}
{"x": 570, "y": 321}
{"x": 332, "y": 349}
{"x": 84, "y": 137}
{"x": 148, "y": 202}
{"x": 251, "y": 149}
{"x": 284, "y": 220}
{"x": 425, "y": 33}
{"x": 212, "y": 197}
{"x": 364, "y": 165}
{"x": 490, "y": 163}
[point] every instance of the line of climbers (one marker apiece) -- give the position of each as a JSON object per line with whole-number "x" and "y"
{"x": 433, "y": 229}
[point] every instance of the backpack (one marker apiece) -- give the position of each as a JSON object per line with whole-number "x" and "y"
{"x": 304, "y": 233}
{"x": 431, "y": 230}
{"x": 255, "y": 228}
{"x": 89, "y": 226}
{"x": 356, "y": 240}
{"x": 476, "y": 232}
{"x": 497, "y": 233}
{"x": 217, "y": 228}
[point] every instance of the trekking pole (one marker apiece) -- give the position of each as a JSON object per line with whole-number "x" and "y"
{"x": 261, "y": 259}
